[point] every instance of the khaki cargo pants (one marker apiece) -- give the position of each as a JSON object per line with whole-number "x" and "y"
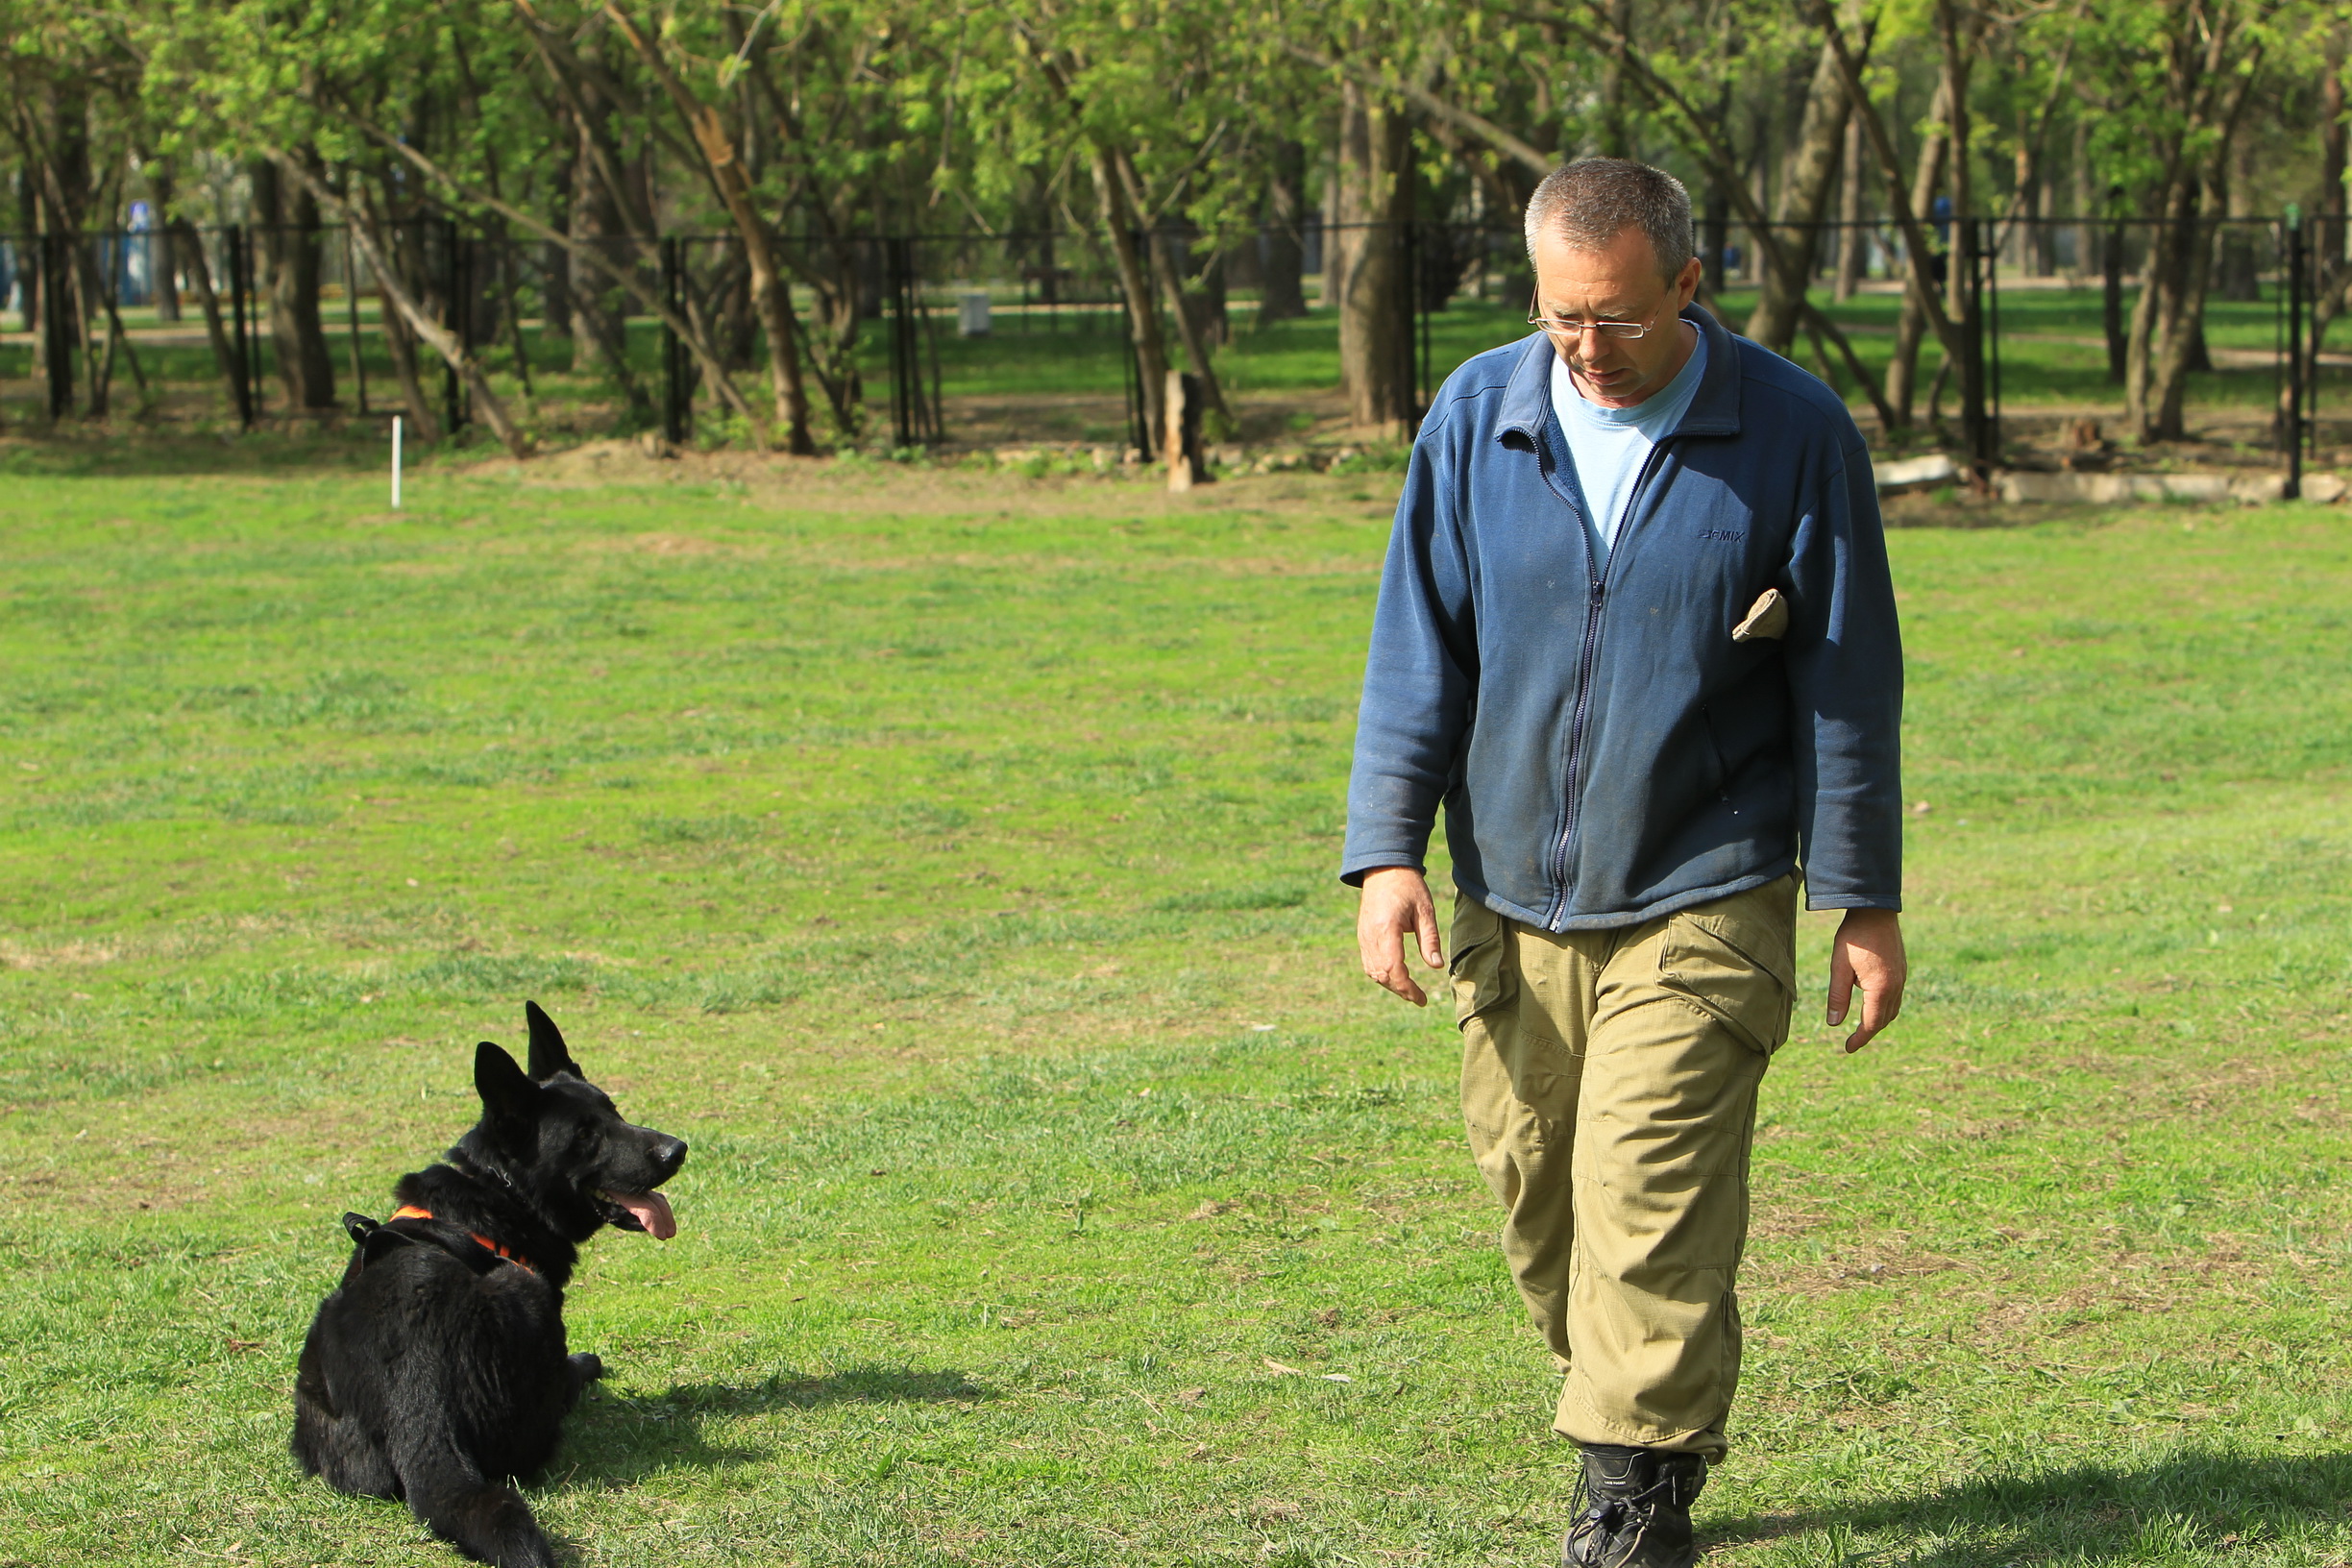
{"x": 1609, "y": 1083}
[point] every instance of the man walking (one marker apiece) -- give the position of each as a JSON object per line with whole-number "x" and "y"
{"x": 1636, "y": 635}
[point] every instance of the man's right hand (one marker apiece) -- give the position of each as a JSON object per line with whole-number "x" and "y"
{"x": 1396, "y": 899}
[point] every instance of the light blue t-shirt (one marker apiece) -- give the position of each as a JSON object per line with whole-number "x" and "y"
{"x": 1609, "y": 446}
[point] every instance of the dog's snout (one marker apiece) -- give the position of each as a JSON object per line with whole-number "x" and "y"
{"x": 668, "y": 1154}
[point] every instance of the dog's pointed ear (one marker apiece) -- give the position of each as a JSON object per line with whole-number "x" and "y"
{"x": 504, "y": 1090}
{"x": 549, "y": 1054}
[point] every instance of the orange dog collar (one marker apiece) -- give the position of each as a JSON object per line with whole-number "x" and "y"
{"x": 409, "y": 1210}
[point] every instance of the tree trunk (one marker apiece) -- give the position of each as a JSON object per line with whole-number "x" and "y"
{"x": 771, "y": 293}
{"x": 739, "y": 322}
{"x": 418, "y": 320}
{"x": 1167, "y": 267}
{"x": 162, "y": 269}
{"x": 2140, "y": 338}
{"x": 2240, "y": 262}
{"x": 1281, "y": 253}
{"x": 2087, "y": 236}
{"x": 1613, "y": 132}
{"x": 1959, "y": 38}
{"x": 1805, "y": 202}
{"x": 2111, "y": 300}
{"x": 401, "y": 346}
{"x": 29, "y": 287}
{"x": 599, "y": 327}
{"x": 191, "y": 259}
{"x": 2025, "y": 213}
{"x": 286, "y": 225}
{"x": 840, "y": 275}
{"x": 2327, "y": 235}
{"x": 1375, "y": 141}
{"x": 772, "y": 296}
{"x": 1911, "y": 327}
{"x": 1135, "y": 288}
{"x": 2158, "y": 353}
{"x": 1853, "y": 240}
{"x": 1714, "y": 235}
{"x": 68, "y": 194}
{"x": 2332, "y": 151}
{"x": 554, "y": 264}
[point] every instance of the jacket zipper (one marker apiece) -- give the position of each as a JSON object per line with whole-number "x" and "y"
{"x": 1583, "y": 695}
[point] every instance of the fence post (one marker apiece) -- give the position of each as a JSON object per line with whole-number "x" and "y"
{"x": 673, "y": 379}
{"x": 2294, "y": 353}
{"x": 241, "y": 380}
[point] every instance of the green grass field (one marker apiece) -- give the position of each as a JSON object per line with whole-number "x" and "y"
{"x": 948, "y": 857}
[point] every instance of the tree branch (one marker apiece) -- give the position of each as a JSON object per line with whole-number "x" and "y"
{"x": 1428, "y": 103}
{"x": 1899, "y": 197}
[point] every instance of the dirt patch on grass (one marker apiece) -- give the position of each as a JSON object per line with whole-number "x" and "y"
{"x": 71, "y": 955}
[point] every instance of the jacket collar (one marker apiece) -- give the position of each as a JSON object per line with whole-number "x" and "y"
{"x": 1714, "y": 411}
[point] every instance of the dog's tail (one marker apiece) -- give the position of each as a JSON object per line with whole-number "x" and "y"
{"x": 446, "y": 1488}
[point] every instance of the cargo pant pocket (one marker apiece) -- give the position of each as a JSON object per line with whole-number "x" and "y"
{"x": 1483, "y": 980}
{"x": 1736, "y": 959}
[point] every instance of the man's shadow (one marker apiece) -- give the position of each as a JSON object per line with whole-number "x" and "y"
{"x": 615, "y": 1439}
{"x": 2194, "y": 1500}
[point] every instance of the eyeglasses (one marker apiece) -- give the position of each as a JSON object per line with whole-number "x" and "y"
{"x": 1572, "y": 329}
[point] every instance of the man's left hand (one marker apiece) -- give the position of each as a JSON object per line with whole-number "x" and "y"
{"x": 1868, "y": 952}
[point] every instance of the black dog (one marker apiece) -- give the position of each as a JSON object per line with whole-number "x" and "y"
{"x": 438, "y": 1369}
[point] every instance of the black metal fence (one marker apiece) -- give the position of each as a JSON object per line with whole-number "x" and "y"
{"x": 1004, "y": 339}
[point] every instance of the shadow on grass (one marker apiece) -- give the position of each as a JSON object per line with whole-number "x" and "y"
{"x": 2196, "y": 1500}
{"x": 614, "y": 1439}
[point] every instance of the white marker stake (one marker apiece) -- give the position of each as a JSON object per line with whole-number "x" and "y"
{"x": 396, "y": 461}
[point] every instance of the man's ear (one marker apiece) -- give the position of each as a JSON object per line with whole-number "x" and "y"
{"x": 1687, "y": 286}
{"x": 505, "y": 1090}
{"x": 549, "y": 1055}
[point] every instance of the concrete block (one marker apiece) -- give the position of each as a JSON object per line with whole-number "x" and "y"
{"x": 1918, "y": 473}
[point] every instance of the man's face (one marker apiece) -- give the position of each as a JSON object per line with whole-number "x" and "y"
{"x": 1621, "y": 283}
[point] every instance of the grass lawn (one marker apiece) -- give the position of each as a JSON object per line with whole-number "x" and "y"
{"x": 948, "y": 858}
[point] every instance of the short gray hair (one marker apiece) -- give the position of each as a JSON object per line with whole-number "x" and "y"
{"x": 1589, "y": 203}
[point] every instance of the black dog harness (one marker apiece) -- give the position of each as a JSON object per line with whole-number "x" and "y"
{"x": 411, "y": 1225}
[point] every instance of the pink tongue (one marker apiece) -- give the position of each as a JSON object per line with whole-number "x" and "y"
{"x": 652, "y": 1211}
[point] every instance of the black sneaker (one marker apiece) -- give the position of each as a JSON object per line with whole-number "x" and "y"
{"x": 1632, "y": 1510}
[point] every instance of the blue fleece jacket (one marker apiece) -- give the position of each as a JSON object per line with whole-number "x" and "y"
{"x": 1605, "y": 750}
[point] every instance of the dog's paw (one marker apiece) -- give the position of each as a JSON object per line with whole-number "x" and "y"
{"x": 586, "y": 1367}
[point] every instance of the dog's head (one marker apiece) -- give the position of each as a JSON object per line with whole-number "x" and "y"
{"x": 562, "y": 1144}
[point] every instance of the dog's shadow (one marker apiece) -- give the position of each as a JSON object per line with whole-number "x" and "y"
{"x": 2189, "y": 1501}
{"x": 616, "y": 1439}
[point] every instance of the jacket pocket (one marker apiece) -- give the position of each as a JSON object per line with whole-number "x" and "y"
{"x": 1715, "y": 752}
{"x": 1482, "y": 981}
{"x": 1738, "y": 963}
